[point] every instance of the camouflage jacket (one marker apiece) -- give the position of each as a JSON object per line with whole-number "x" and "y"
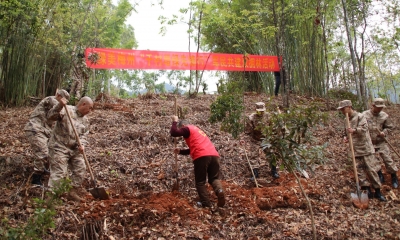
{"x": 361, "y": 139}
{"x": 63, "y": 134}
{"x": 377, "y": 122}
{"x": 38, "y": 121}
{"x": 254, "y": 124}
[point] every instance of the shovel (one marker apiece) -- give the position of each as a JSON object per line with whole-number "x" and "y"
{"x": 390, "y": 145}
{"x": 175, "y": 187}
{"x": 359, "y": 199}
{"x": 97, "y": 192}
{"x": 251, "y": 169}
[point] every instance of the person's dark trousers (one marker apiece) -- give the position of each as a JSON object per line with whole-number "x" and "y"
{"x": 277, "y": 84}
{"x": 204, "y": 167}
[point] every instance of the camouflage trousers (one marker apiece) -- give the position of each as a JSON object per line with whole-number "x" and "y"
{"x": 367, "y": 170}
{"x": 38, "y": 141}
{"x": 255, "y": 154}
{"x": 384, "y": 152}
{"x": 62, "y": 158}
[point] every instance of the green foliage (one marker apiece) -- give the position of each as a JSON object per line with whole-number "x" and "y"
{"x": 309, "y": 156}
{"x": 123, "y": 93}
{"x": 288, "y": 139}
{"x": 228, "y": 110}
{"x": 228, "y": 107}
{"x": 42, "y": 219}
{"x": 73, "y": 100}
{"x": 40, "y": 40}
{"x": 340, "y": 94}
{"x": 160, "y": 88}
{"x": 179, "y": 80}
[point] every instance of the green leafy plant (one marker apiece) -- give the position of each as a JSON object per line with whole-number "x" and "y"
{"x": 288, "y": 141}
{"x": 341, "y": 94}
{"x": 227, "y": 109}
{"x": 114, "y": 173}
{"x": 288, "y": 137}
{"x": 41, "y": 221}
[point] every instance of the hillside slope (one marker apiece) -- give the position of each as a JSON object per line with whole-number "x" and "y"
{"x": 131, "y": 155}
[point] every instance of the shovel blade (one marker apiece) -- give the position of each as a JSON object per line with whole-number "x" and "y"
{"x": 360, "y": 202}
{"x": 99, "y": 193}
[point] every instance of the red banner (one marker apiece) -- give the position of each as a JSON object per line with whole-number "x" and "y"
{"x": 107, "y": 58}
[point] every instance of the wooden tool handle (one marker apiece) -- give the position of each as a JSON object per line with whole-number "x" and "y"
{"x": 390, "y": 145}
{"x": 175, "y": 140}
{"x": 352, "y": 155}
{"x": 79, "y": 143}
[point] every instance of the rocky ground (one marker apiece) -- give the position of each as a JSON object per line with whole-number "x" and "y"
{"x": 131, "y": 155}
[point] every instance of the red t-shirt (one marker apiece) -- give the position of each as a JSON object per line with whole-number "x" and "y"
{"x": 199, "y": 144}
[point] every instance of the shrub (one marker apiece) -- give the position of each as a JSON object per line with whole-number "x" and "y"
{"x": 41, "y": 221}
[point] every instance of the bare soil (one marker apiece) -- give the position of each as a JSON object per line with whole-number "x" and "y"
{"x": 131, "y": 155}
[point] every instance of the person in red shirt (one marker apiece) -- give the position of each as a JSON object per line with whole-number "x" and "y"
{"x": 205, "y": 159}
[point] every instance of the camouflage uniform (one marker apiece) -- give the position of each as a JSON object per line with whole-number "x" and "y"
{"x": 63, "y": 147}
{"x": 79, "y": 76}
{"x": 379, "y": 122}
{"x": 38, "y": 130}
{"x": 254, "y": 125}
{"x": 367, "y": 164}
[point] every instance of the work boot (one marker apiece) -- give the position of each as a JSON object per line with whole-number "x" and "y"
{"x": 378, "y": 195}
{"x": 37, "y": 179}
{"x": 368, "y": 189}
{"x": 73, "y": 195}
{"x": 274, "y": 172}
{"x": 221, "y": 198}
{"x": 203, "y": 195}
{"x": 395, "y": 181}
{"x": 255, "y": 171}
{"x": 381, "y": 177}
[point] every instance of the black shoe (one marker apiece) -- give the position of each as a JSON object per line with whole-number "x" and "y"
{"x": 255, "y": 171}
{"x": 37, "y": 179}
{"x": 379, "y": 196}
{"x": 395, "y": 181}
{"x": 381, "y": 177}
{"x": 274, "y": 173}
{"x": 368, "y": 189}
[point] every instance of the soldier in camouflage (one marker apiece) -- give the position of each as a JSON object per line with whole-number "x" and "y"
{"x": 63, "y": 146}
{"x": 367, "y": 164}
{"x": 379, "y": 126}
{"x": 37, "y": 131}
{"x": 255, "y": 122}
{"x": 79, "y": 75}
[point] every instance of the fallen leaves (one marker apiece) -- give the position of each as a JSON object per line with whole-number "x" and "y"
{"x": 131, "y": 154}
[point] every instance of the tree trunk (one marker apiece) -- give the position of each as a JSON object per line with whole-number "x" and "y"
{"x": 323, "y": 22}
{"x": 353, "y": 58}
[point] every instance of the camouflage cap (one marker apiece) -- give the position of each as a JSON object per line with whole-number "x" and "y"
{"x": 344, "y": 103}
{"x": 63, "y": 93}
{"x": 378, "y": 102}
{"x": 260, "y": 107}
